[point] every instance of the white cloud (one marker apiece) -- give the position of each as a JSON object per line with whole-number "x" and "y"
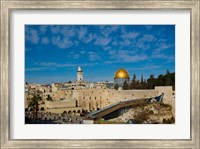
{"x": 114, "y": 43}
{"x": 93, "y": 56}
{"x": 54, "y": 29}
{"x": 43, "y": 29}
{"x": 61, "y": 43}
{"x": 146, "y": 67}
{"x": 148, "y": 37}
{"x": 142, "y": 45}
{"x": 101, "y": 41}
{"x": 162, "y": 47}
{"x": 112, "y": 62}
{"x": 45, "y": 40}
{"x": 82, "y": 32}
{"x": 108, "y": 30}
{"x": 53, "y": 64}
{"x": 32, "y": 36}
{"x": 42, "y": 66}
{"x": 107, "y": 48}
{"x": 163, "y": 56}
{"x": 111, "y": 52}
{"x": 67, "y": 31}
{"x": 89, "y": 38}
{"x": 129, "y": 35}
{"x": 124, "y": 56}
{"x": 132, "y": 58}
{"x": 144, "y": 42}
{"x": 66, "y": 43}
{"x": 126, "y": 42}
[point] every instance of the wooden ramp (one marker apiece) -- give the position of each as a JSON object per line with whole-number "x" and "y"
{"x": 127, "y": 103}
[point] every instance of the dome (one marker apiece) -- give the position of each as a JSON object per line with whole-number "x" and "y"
{"x": 121, "y": 73}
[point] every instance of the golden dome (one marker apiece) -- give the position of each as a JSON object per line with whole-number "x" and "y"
{"x": 121, "y": 73}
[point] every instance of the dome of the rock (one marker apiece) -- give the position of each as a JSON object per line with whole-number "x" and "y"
{"x": 121, "y": 73}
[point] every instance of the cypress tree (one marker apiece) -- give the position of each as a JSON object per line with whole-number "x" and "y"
{"x": 125, "y": 86}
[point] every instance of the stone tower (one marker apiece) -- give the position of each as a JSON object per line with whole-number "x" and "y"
{"x": 79, "y": 74}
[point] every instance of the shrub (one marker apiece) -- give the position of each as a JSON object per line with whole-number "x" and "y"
{"x": 116, "y": 86}
{"x": 141, "y": 117}
{"x": 169, "y": 121}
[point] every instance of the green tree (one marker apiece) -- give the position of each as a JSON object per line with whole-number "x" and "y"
{"x": 135, "y": 84}
{"x": 151, "y": 81}
{"x": 168, "y": 81}
{"x": 144, "y": 84}
{"x": 173, "y": 80}
{"x": 168, "y": 72}
{"x": 142, "y": 80}
{"x": 160, "y": 81}
{"x": 33, "y": 103}
{"x": 116, "y": 86}
{"x": 167, "y": 78}
{"x": 125, "y": 86}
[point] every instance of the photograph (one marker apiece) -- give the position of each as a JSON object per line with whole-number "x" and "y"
{"x": 99, "y": 74}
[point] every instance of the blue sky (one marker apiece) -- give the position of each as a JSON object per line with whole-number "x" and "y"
{"x": 53, "y": 52}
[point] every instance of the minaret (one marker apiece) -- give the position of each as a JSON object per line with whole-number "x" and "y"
{"x": 79, "y": 74}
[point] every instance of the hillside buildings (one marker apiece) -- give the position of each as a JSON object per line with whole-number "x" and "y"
{"x": 81, "y": 96}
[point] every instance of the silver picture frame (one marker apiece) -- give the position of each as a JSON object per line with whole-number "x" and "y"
{"x": 7, "y": 6}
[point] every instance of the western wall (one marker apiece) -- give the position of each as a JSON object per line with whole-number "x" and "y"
{"x": 93, "y": 99}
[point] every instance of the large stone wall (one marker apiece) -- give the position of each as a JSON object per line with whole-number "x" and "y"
{"x": 61, "y": 104}
{"x": 93, "y": 99}
{"x": 67, "y": 110}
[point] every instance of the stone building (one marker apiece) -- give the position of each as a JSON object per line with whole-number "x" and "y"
{"x": 56, "y": 86}
{"x": 121, "y": 75}
{"x": 89, "y": 97}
